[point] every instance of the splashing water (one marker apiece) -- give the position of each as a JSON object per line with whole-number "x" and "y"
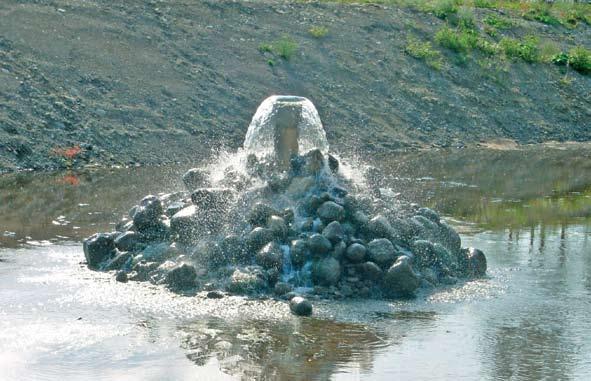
{"x": 284, "y": 125}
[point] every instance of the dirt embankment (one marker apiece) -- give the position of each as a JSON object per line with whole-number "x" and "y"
{"x": 154, "y": 82}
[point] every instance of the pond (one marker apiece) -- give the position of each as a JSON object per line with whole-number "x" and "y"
{"x": 529, "y": 210}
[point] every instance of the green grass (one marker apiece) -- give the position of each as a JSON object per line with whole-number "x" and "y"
{"x": 526, "y": 49}
{"x": 579, "y": 58}
{"x": 541, "y": 12}
{"x": 424, "y": 51}
{"x": 457, "y": 40}
{"x": 318, "y": 31}
{"x": 497, "y": 22}
{"x": 285, "y": 48}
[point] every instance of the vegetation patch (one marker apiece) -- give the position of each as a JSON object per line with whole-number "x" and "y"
{"x": 455, "y": 39}
{"x": 425, "y": 52}
{"x": 318, "y": 31}
{"x": 579, "y": 58}
{"x": 525, "y": 49}
{"x": 285, "y": 48}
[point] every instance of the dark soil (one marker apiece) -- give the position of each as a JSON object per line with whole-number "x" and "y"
{"x": 155, "y": 82}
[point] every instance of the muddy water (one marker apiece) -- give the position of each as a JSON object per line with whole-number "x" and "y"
{"x": 529, "y": 210}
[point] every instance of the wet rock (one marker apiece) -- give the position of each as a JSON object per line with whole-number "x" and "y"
{"x": 477, "y": 262}
{"x": 278, "y": 226}
{"x": 331, "y": 211}
{"x": 423, "y": 228}
{"x": 429, "y": 214}
{"x": 299, "y": 252}
{"x": 334, "y": 232}
{"x": 195, "y": 178}
{"x": 314, "y": 162}
{"x": 142, "y": 270}
{"x": 147, "y": 214}
{"x": 339, "y": 250}
{"x": 326, "y": 271}
{"x": 160, "y": 231}
{"x": 270, "y": 256}
{"x": 300, "y": 306}
{"x": 124, "y": 225}
{"x": 400, "y": 279}
{"x": 282, "y": 288}
{"x": 182, "y": 277}
{"x": 212, "y": 199}
{"x": 300, "y": 186}
{"x": 121, "y": 277}
{"x": 184, "y": 225}
{"x": 379, "y": 227}
{"x": 128, "y": 241}
{"x": 311, "y": 204}
{"x": 333, "y": 164}
{"x": 319, "y": 244}
{"x": 443, "y": 258}
{"x": 258, "y": 238}
{"x": 215, "y": 294}
{"x": 98, "y": 248}
{"x": 174, "y": 208}
{"x": 288, "y": 215}
{"x": 247, "y": 281}
{"x": 260, "y": 214}
{"x": 449, "y": 238}
{"x": 233, "y": 248}
{"x": 356, "y": 253}
{"x": 381, "y": 251}
{"x": 120, "y": 261}
{"x": 371, "y": 271}
{"x": 424, "y": 253}
{"x": 360, "y": 219}
{"x": 159, "y": 252}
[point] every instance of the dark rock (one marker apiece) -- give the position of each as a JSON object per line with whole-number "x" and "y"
{"x": 195, "y": 178}
{"x": 314, "y": 162}
{"x": 185, "y": 225}
{"x": 247, "y": 280}
{"x": 477, "y": 262}
{"x": 331, "y": 211}
{"x": 260, "y": 213}
{"x": 356, "y": 253}
{"x": 160, "y": 231}
{"x": 449, "y": 238}
{"x": 334, "y": 232}
{"x": 143, "y": 269}
{"x": 381, "y": 251}
{"x": 215, "y": 294}
{"x": 339, "y": 250}
{"x": 270, "y": 256}
{"x": 300, "y": 306}
{"x": 121, "y": 277}
{"x": 233, "y": 248}
{"x": 282, "y": 288}
{"x": 128, "y": 241}
{"x": 371, "y": 271}
{"x": 400, "y": 279}
{"x": 278, "y": 226}
{"x": 424, "y": 253}
{"x": 319, "y": 244}
{"x": 98, "y": 248}
{"x": 212, "y": 199}
{"x": 174, "y": 208}
{"x": 326, "y": 272}
{"x": 147, "y": 214}
{"x": 288, "y": 215}
{"x": 379, "y": 227}
{"x": 159, "y": 252}
{"x": 124, "y": 225}
{"x": 119, "y": 261}
{"x": 182, "y": 277}
{"x": 333, "y": 164}
{"x": 311, "y": 204}
{"x": 258, "y": 238}
{"x": 429, "y": 214}
{"x": 299, "y": 252}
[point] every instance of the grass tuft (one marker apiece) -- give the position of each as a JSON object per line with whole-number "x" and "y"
{"x": 425, "y": 52}
{"x": 318, "y": 31}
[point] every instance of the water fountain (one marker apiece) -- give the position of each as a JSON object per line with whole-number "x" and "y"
{"x": 281, "y": 217}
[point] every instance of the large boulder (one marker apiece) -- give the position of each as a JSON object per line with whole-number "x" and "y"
{"x": 334, "y": 232}
{"x": 319, "y": 244}
{"x": 300, "y": 306}
{"x": 356, "y": 253}
{"x": 400, "y": 279}
{"x": 299, "y": 252}
{"x": 182, "y": 277}
{"x": 259, "y": 237}
{"x": 326, "y": 271}
{"x": 260, "y": 213}
{"x": 381, "y": 251}
{"x": 270, "y": 256}
{"x": 278, "y": 226}
{"x": 424, "y": 253}
{"x": 247, "y": 280}
{"x": 120, "y": 261}
{"x": 195, "y": 178}
{"x": 147, "y": 214}
{"x": 379, "y": 227}
{"x": 185, "y": 225}
{"x": 212, "y": 199}
{"x": 331, "y": 211}
{"x": 128, "y": 241}
{"x": 98, "y": 248}
{"x": 233, "y": 248}
{"x": 371, "y": 271}
{"x": 476, "y": 262}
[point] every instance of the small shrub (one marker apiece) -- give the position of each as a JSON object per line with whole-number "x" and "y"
{"x": 579, "y": 59}
{"x": 285, "y": 48}
{"x": 265, "y": 48}
{"x": 560, "y": 59}
{"x": 465, "y": 19}
{"x": 483, "y": 4}
{"x": 548, "y": 49}
{"x": 318, "y": 31}
{"x": 526, "y": 49}
{"x": 424, "y": 51}
{"x": 542, "y": 13}
{"x": 458, "y": 41}
{"x": 497, "y": 22}
{"x": 444, "y": 8}
{"x": 487, "y": 47}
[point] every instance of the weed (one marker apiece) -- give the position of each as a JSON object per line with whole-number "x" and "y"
{"x": 483, "y": 4}
{"x": 265, "y": 48}
{"x": 548, "y": 50}
{"x": 542, "y": 13}
{"x": 465, "y": 19}
{"x": 497, "y": 22}
{"x": 270, "y": 62}
{"x": 456, "y": 40}
{"x": 526, "y": 49}
{"x": 487, "y": 47}
{"x": 285, "y": 48}
{"x": 424, "y": 51}
{"x": 579, "y": 59}
{"x": 318, "y": 31}
{"x": 444, "y": 8}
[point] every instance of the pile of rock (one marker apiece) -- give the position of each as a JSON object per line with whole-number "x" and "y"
{"x": 301, "y": 230}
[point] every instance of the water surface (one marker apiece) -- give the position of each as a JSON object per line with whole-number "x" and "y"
{"x": 528, "y": 210}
